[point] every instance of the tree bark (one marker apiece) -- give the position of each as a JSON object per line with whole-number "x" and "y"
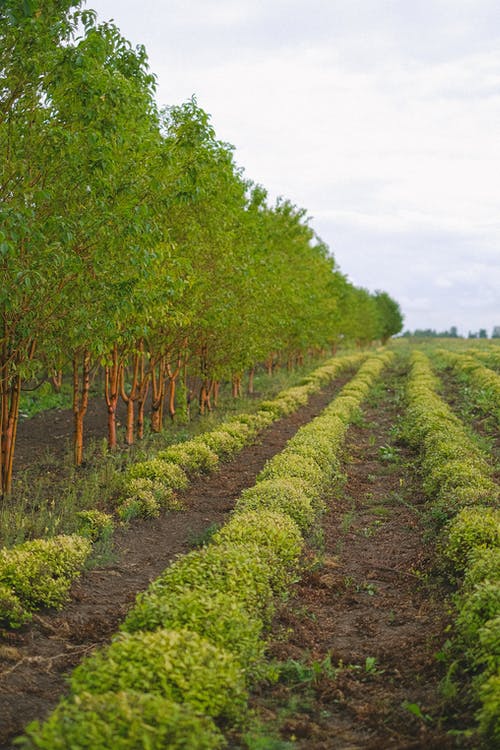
{"x": 112, "y": 376}
{"x": 80, "y": 402}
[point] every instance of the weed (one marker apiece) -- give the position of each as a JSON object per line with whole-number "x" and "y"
{"x": 198, "y": 539}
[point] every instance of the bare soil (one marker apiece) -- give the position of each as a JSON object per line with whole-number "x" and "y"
{"x": 370, "y": 619}
{"x": 35, "y": 661}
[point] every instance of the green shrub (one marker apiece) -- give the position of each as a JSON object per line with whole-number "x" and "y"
{"x": 472, "y": 528}
{"x": 276, "y": 537}
{"x": 178, "y": 665}
{"x": 483, "y": 565}
{"x": 12, "y": 612}
{"x": 166, "y": 472}
{"x": 122, "y": 721}
{"x": 489, "y": 645}
{"x": 231, "y": 569}
{"x": 216, "y": 616}
{"x": 40, "y": 572}
{"x": 488, "y": 715}
{"x": 95, "y": 525}
{"x": 145, "y": 498}
{"x": 193, "y": 456}
{"x": 284, "y": 495}
{"x": 475, "y": 609}
{"x": 294, "y": 465}
{"x": 221, "y": 442}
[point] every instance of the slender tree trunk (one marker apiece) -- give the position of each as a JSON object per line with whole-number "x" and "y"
{"x": 133, "y": 395}
{"x": 215, "y": 392}
{"x": 80, "y": 402}
{"x": 57, "y": 380}
{"x": 236, "y": 386}
{"x": 157, "y": 393}
{"x": 250, "y": 386}
{"x": 10, "y": 391}
{"x": 111, "y": 391}
{"x": 269, "y": 364}
{"x": 173, "y": 374}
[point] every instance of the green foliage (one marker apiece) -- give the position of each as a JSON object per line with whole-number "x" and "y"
{"x": 489, "y": 713}
{"x": 178, "y": 665}
{"x": 194, "y": 457}
{"x": 40, "y": 573}
{"x": 226, "y": 568}
{"x": 285, "y": 495}
{"x": 471, "y": 529}
{"x": 217, "y": 616}
{"x": 122, "y": 721}
{"x": 167, "y": 473}
{"x": 476, "y": 608}
{"x": 12, "y": 612}
{"x": 95, "y": 525}
{"x": 483, "y": 564}
{"x": 275, "y": 537}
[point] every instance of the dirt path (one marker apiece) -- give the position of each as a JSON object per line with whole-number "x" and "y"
{"x": 33, "y": 662}
{"x": 365, "y": 627}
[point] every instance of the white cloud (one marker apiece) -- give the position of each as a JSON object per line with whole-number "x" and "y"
{"x": 380, "y": 118}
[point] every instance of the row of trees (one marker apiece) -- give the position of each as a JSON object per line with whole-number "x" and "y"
{"x": 130, "y": 239}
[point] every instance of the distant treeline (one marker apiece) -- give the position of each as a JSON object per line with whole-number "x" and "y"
{"x": 452, "y": 333}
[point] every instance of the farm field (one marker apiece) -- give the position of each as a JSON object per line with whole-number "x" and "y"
{"x": 367, "y": 643}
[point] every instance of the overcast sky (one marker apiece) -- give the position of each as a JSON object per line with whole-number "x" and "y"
{"x": 380, "y": 117}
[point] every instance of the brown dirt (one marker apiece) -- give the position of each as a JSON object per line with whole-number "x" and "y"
{"x": 35, "y": 660}
{"x": 374, "y": 598}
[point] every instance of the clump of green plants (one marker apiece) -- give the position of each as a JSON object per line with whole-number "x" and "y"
{"x": 122, "y": 720}
{"x": 276, "y": 537}
{"x": 193, "y": 456}
{"x": 95, "y": 525}
{"x": 217, "y": 616}
{"x": 145, "y": 498}
{"x": 175, "y": 664}
{"x": 39, "y": 574}
{"x": 285, "y": 495}
{"x": 167, "y": 473}
{"x": 470, "y": 530}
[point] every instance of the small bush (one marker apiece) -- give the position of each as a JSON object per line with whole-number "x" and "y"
{"x": 489, "y": 713}
{"x": 95, "y": 525}
{"x": 178, "y": 665}
{"x": 276, "y": 537}
{"x": 293, "y": 465}
{"x": 216, "y": 616}
{"x": 231, "y": 569}
{"x": 471, "y": 529}
{"x": 475, "y": 610}
{"x": 40, "y": 572}
{"x": 166, "y": 472}
{"x": 12, "y": 612}
{"x": 221, "y": 442}
{"x": 194, "y": 457}
{"x": 284, "y": 495}
{"x": 122, "y": 721}
{"x": 483, "y": 565}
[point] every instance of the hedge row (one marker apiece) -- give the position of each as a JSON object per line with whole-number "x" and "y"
{"x": 484, "y": 382}
{"x": 179, "y": 671}
{"x": 458, "y": 478}
{"x": 150, "y": 485}
{"x": 39, "y": 573}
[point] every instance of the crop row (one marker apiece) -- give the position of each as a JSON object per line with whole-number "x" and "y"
{"x": 192, "y": 645}
{"x": 457, "y": 478}
{"x": 39, "y": 573}
{"x": 484, "y": 382}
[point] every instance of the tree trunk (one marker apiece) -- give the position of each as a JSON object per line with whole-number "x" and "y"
{"x": 133, "y": 395}
{"x": 80, "y": 403}
{"x": 111, "y": 391}
{"x": 250, "y": 386}
{"x": 158, "y": 393}
{"x": 57, "y": 379}
{"x": 9, "y": 395}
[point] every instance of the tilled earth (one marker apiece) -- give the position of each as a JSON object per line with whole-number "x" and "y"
{"x": 35, "y": 660}
{"x": 361, "y": 634}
